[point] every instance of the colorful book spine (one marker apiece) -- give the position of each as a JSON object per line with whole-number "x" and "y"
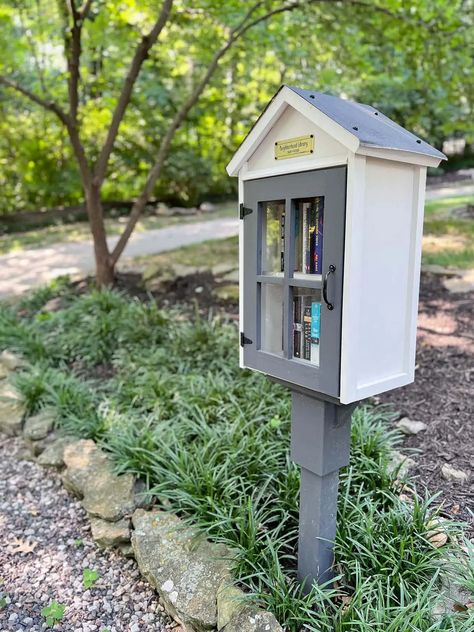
{"x": 315, "y": 331}
{"x": 282, "y": 242}
{"x": 315, "y": 323}
{"x": 307, "y": 324}
{"x": 306, "y": 245}
{"x": 317, "y": 245}
{"x": 297, "y": 327}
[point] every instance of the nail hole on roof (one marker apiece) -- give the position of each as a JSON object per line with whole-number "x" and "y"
{"x": 356, "y": 128}
{"x": 418, "y": 141}
{"x": 312, "y": 96}
{"x": 376, "y": 113}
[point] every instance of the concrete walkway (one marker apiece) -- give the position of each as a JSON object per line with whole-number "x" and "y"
{"x": 20, "y": 271}
{"x": 448, "y": 190}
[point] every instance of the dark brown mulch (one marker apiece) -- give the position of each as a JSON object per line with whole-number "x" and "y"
{"x": 193, "y": 292}
{"x": 442, "y": 395}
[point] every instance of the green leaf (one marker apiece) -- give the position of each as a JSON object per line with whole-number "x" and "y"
{"x": 53, "y": 613}
{"x": 89, "y": 577}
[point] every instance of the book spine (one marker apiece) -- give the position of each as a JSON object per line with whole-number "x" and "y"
{"x": 297, "y": 326}
{"x": 312, "y": 236}
{"x": 305, "y": 254}
{"x": 282, "y": 242}
{"x": 315, "y": 323}
{"x": 307, "y": 333}
{"x": 318, "y": 236}
{"x": 297, "y": 262}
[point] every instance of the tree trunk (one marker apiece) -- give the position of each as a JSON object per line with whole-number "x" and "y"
{"x": 105, "y": 269}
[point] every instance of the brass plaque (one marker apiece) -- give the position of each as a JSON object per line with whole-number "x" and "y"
{"x": 294, "y": 147}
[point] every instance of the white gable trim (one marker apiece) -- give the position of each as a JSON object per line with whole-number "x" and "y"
{"x": 399, "y": 156}
{"x": 284, "y": 98}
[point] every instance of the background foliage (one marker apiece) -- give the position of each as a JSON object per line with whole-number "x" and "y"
{"x": 410, "y": 59}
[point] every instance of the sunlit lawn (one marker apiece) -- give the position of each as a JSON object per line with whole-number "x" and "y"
{"x": 448, "y": 233}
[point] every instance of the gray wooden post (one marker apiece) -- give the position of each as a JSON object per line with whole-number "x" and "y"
{"x": 320, "y": 444}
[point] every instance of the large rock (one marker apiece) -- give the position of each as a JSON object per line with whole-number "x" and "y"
{"x": 252, "y": 620}
{"x": 186, "y": 570}
{"x": 39, "y": 426}
{"x": 84, "y": 462}
{"x": 110, "y": 497}
{"x": 107, "y": 534}
{"x": 89, "y": 475}
{"x": 399, "y": 460}
{"x": 410, "y": 427}
{"x": 10, "y": 361}
{"x": 232, "y": 277}
{"x": 461, "y": 284}
{"x": 53, "y": 453}
{"x": 12, "y": 410}
{"x": 225, "y": 267}
{"x": 226, "y": 292}
{"x": 230, "y": 602}
{"x": 450, "y": 473}
{"x": 181, "y": 270}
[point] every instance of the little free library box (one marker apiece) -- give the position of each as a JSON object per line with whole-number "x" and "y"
{"x": 331, "y": 202}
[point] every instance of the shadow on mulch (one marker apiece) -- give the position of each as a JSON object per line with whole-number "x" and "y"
{"x": 442, "y": 395}
{"x": 192, "y": 292}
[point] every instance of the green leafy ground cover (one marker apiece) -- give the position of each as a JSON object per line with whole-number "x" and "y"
{"x": 163, "y": 393}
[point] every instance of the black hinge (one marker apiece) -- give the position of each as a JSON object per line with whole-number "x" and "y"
{"x": 244, "y": 340}
{"x": 244, "y": 210}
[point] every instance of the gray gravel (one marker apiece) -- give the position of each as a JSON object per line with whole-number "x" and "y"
{"x": 35, "y": 509}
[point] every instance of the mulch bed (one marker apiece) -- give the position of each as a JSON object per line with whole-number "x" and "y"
{"x": 442, "y": 395}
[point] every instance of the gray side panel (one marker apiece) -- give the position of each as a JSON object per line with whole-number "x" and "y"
{"x": 330, "y": 183}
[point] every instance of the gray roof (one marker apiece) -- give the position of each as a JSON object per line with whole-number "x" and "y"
{"x": 371, "y": 127}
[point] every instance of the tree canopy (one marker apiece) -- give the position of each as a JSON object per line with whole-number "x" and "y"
{"x": 412, "y": 60}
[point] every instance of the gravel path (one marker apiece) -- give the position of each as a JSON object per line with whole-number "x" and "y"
{"x": 20, "y": 271}
{"x": 37, "y": 513}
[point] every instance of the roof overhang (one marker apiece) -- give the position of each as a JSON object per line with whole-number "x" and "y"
{"x": 287, "y": 96}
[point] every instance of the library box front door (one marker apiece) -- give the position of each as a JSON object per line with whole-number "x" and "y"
{"x": 293, "y": 271}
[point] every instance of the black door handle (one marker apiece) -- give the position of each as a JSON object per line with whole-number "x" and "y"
{"x": 331, "y": 269}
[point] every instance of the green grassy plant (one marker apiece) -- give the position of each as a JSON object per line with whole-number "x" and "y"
{"x": 53, "y": 613}
{"x": 212, "y": 443}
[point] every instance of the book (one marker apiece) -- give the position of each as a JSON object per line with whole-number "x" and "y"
{"x": 309, "y": 236}
{"x": 306, "y": 328}
{"x": 317, "y": 237}
{"x": 315, "y": 331}
{"x": 297, "y": 326}
{"x": 307, "y": 325}
{"x": 306, "y": 243}
{"x": 282, "y": 242}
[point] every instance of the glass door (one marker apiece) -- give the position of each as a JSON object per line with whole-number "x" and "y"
{"x": 293, "y": 257}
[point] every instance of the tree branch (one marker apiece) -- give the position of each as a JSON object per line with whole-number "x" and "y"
{"x": 181, "y": 114}
{"x": 141, "y": 53}
{"x": 51, "y": 106}
{"x": 236, "y": 33}
{"x": 85, "y": 9}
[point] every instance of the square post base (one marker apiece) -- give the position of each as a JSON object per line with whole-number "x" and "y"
{"x": 320, "y": 444}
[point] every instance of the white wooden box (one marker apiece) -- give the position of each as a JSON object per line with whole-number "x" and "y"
{"x": 380, "y": 240}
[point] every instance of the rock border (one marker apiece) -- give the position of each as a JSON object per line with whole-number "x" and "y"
{"x": 191, "y": 574}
